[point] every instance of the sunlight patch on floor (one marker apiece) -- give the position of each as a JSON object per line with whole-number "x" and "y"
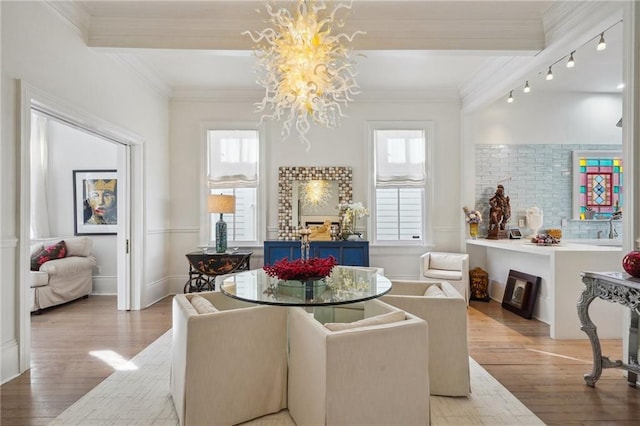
{"x": 115, "y": 360}
{"x": 559, "y": 356}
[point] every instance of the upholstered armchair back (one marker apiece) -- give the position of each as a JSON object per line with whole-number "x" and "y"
{"x": 451, "y": 267}
{"x": 370, "y": 373}
{"x": 229, "y": 365}
{"x": 444, "y": 309}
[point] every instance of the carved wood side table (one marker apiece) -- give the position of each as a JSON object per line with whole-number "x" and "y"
{"x": 616, "y": 287}
{"x": 204, "y": 267}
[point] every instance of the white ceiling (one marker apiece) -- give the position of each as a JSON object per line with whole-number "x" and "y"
{"x": 440, "y": 68}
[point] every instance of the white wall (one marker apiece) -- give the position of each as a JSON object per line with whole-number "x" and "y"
{"x": 549, "y": 118}
{"x": 542, "y": 118}
{"x": 39, "y": 48}
{"x": 344, "y": 146}
{"x": 89, "y": 153}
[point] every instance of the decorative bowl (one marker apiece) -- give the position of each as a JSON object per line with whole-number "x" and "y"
{"x": 631, "y": 263}
{"x": 314, "y": 268}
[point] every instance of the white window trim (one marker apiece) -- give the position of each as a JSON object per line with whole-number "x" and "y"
{"x": 427, "y": 219}
{"x": 261, "y": 218}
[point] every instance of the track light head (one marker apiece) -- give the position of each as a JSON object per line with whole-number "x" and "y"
{"x": 549, "y": 74}
{"x": 571, "y": 63}
{"x": 510, "y": 98}
{"x": 601, "y": 44}
{"x": 526, "y": 89}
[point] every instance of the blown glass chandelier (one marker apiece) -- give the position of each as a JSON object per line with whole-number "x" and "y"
{"x": 304, "y": 66}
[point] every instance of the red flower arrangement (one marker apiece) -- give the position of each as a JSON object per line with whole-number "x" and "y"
{"x": 315, "y": 267}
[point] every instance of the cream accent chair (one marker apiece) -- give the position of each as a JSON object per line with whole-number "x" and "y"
{"x": 228, "y": 366}
{"x": 62, "y": 280}
{"x": 445, "y": 311}
{"x": 451, "y": 267}
{"x": 368, "y": 375}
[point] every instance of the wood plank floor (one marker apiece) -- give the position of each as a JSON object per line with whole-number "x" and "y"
{"x": 62, "y": 368}
{"x": 545, "y": 374}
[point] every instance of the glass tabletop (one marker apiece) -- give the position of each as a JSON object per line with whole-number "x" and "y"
{"x": 346, "y": 284}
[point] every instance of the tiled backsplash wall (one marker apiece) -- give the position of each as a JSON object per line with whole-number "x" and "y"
{"x": 535, "y": 175}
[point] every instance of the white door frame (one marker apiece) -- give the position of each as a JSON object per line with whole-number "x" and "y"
{"x": 130, "y": 161}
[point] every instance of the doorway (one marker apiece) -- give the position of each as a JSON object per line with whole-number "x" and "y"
{"x": 124, "y": 150}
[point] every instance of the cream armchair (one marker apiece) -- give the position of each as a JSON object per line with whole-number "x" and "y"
{"x": 228, "y": 359}
{"x": 62, "y": 280}
{"x": 451, "y": 267}
{"x": 444, "y": 309}
{"x": 371, "y": 373}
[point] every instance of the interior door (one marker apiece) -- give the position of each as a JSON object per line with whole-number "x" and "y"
{"x": 123, "y": 246}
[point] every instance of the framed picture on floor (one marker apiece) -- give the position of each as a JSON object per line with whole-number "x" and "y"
{"x": 520, "y": 293}
{"x": 95, "y": 198}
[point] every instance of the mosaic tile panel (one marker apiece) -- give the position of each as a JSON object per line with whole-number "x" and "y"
{"x": 539, "y": 175}
{"x": 287, "y": 229}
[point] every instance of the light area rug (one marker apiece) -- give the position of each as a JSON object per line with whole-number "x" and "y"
{"x": 141, "y": 396}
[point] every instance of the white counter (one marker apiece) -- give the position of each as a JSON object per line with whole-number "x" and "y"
{"x": 559, "y": 267}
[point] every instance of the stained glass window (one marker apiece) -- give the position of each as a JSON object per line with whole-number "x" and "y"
{"x": 598, "y": 178}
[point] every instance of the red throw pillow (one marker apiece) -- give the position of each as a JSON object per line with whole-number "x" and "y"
{"x": 55, "y": 251}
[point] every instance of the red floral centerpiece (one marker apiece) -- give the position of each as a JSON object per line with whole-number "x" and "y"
{"x": 315, "y": 267}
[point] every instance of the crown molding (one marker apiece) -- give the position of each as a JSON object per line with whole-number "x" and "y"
{"x": 576, "y": 22}
{"x": 408, "y": 96}
{"x": 568, "y": 25}
{"x": 73, "y": 15}
{"x": 195, "y": 94}
{"x": 370, "y": 95}
{"x": 142, "y": 71}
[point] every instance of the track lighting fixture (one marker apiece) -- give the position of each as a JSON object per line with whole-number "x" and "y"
{"x": 601, "y": 44}
{"x": 571, "y": 63}
{"x": 549, "y": 74}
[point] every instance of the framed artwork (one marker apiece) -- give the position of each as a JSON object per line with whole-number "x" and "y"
{"x": 95, "y": 198}
{"x": 597, "y": 184}
{"x": 520, "y": 293}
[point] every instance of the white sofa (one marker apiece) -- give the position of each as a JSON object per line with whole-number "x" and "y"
{"x": 372, "y": 374}
{"x": 62, "y": 280}
{"x": 444, "y": 309}
{"x": 229, "y": 364}
{"x": 450, "y": 267}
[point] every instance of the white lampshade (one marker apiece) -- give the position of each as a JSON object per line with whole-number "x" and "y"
{"x": 219, "y": 203}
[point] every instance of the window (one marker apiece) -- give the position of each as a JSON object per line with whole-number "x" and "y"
{"x": 400, "y": 180}
{"x": 232, "y": 169}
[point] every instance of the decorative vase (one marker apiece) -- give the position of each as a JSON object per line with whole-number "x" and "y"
{"x": 631, "y": 263}
{"x": 534, "y": 220}
{"x": 473, "y": 230}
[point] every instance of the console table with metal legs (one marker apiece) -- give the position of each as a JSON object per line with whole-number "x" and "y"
{"x": 616, "y": 287}
{"x": 204, "y": 267}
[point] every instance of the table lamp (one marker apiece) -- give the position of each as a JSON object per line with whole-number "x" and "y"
{"x": 221, "y": 204}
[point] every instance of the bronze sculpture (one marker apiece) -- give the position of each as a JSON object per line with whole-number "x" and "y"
{"x": 499, "y": 214}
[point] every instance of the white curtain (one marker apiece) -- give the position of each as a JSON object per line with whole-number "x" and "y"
{"x": 233, "y": 158}
{"x": 400, "y": 158}
{"x": 40, "y": 227}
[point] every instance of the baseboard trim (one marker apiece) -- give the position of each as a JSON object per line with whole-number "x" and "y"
{"x": 10, "y": 360}
{"x": 104, "y": 284}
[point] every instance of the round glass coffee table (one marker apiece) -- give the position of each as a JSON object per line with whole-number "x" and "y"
{"x": 346, "y": 284}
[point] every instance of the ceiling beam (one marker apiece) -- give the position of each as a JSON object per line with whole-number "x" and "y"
{"x": 389, "y": 25}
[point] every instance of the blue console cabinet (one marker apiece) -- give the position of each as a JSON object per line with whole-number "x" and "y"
{"x": 350, "y": 253}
